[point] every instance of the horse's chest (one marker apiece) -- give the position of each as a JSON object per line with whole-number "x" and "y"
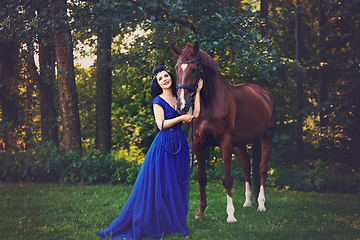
{"x": 209, "y": 132}
{"x": 204, "y": 133}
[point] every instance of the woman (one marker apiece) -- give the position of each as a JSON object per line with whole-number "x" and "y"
{"x": 159, "y": 201}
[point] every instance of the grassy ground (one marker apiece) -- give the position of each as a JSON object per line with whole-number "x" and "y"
{"x": 35, "y": 211}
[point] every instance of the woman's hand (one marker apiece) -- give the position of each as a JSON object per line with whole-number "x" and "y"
{"x": 200, "y": 85}
{"x": 186, "y": 118}
{"x": 196, "y": 111}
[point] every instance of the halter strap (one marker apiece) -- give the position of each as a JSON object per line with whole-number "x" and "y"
{"x": 187, "y": 87}
{"x": 190, "y": 61}
{"x": 199, "y": 73}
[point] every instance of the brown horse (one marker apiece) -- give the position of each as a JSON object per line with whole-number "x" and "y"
{"x": 230, "y": 116}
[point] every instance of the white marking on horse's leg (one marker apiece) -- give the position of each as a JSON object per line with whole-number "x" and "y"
{"x": 230, "y": 210}
{"x": 261, "y": 199}
{"x": 248, "y": 195}
{"x": 182, "y": 99}
{"x": 184, "y": 66}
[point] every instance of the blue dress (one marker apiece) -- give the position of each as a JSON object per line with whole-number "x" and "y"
{"x": 159, "y": 201}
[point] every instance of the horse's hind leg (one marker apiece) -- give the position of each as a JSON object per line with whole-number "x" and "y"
{"x": 245, "y": 164}
{"x": 266, "y": 149}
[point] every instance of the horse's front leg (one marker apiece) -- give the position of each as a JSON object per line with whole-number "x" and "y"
{"x": 227, "y": 179}
{"x": 245, "y": 164}
{"x": 202, "y": 178}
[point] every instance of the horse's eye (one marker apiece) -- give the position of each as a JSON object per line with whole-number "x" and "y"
{"x": 193, "y": 72}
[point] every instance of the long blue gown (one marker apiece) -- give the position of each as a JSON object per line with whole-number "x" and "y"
{"x": 159, "y": 201}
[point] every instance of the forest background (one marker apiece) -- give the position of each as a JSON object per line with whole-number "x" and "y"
{"x": 61, "y": 122}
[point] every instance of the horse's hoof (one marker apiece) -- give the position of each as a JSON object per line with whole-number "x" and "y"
{"x": 261, "y": 209}
{"x": 247, "y": 205}
{"x": 231, "y": 221}
{"x": 199, "y": 217}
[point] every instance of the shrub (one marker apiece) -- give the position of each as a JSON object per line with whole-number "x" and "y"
{"x": 42, "y": 163}
{"x": 45, "y": 163}
{"x": 320, "y": 178}
{"x": 95, "y": 167}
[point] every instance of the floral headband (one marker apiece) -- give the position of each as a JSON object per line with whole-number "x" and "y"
{"x": 155, "y": 74}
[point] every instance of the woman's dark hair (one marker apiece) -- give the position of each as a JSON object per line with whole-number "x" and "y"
{"x": 155, "y": 88}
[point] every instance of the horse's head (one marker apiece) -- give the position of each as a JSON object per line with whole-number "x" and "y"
{"x": 188, "y": 72}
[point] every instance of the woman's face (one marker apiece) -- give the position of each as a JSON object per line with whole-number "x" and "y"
{"x": 164, "y": 79}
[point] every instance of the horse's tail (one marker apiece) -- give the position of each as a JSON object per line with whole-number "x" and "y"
{"x": 256, "y": 159}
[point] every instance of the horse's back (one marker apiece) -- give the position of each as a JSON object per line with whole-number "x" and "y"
{"x": 249, "y": 93}
{"x": 253, "y": 88}
{"x": 255, "y": 111}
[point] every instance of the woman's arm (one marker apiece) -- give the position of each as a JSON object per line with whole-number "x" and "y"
{"x": 197, "y": 99}
{"x": 159, "y": 117}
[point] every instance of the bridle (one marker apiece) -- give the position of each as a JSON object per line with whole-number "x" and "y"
{"x": 193, "y": 94}
{"x": 198, "y": 75}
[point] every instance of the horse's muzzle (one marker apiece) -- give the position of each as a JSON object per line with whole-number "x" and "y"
{"x": 183, "y": 105}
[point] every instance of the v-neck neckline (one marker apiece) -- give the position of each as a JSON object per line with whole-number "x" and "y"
{"x": 167, "y": 103}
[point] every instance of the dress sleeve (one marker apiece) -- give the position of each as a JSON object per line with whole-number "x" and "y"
{"x": 157, "y": 100}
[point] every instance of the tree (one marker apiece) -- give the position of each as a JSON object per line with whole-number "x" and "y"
{"x": 103, "y": 10}
{"x": 322, "y": 77}
{"x": 9, "y": 77}
{"x": 299, "y": 83}
{"x": 49, "y": 126}
{"x": 45, "y": 81}
{"x": 106, "y": 19}
{"x": 341, "y": 31}
{"x": 103, "y": 86}
{"x": 66, "y": 78}
{"x": 47, "y": 78}
{"x": 264, "y": 11}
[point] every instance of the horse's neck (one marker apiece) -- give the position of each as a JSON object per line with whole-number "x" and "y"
{"x": 215, "y": 87}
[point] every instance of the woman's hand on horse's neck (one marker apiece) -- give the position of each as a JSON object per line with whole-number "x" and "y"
{"x": 196, "y": 111}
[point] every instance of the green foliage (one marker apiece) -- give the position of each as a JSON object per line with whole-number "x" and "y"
{"x": 86, "y": 89}
{"x": 42, "y": 163}
{"x": 132, "y": 116}
{"x": 341, "y": 66}
{"x": 45, "y": 163}
{"x": 282, "y": 149}
{"x": 134, "y": 157}
{"x": 255, "y": 55}
{"x": 319, "y": 177}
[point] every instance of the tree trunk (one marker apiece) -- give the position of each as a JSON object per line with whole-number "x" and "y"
{"x": 48, "y": 109}
{"x": 103, "y": 92}
{"x": 27, "y": 120}
{"x": 299, "y": 83}
{"x": 66, "y": 80}
{"x": 45, "y": 82}
{"x": 264, "y": 12}
{"x": 9, "y": 75}
{"x": 46, "y": 79}
{"x": 322, "y": 80}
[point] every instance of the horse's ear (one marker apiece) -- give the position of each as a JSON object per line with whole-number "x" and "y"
{"x": 176, "y": 50}
{"x": 196, "y": 47}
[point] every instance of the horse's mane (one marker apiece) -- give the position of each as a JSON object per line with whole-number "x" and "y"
{"x": 206, "y": 60}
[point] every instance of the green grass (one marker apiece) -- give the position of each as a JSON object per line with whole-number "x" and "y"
{"x": 36, "y": 211}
